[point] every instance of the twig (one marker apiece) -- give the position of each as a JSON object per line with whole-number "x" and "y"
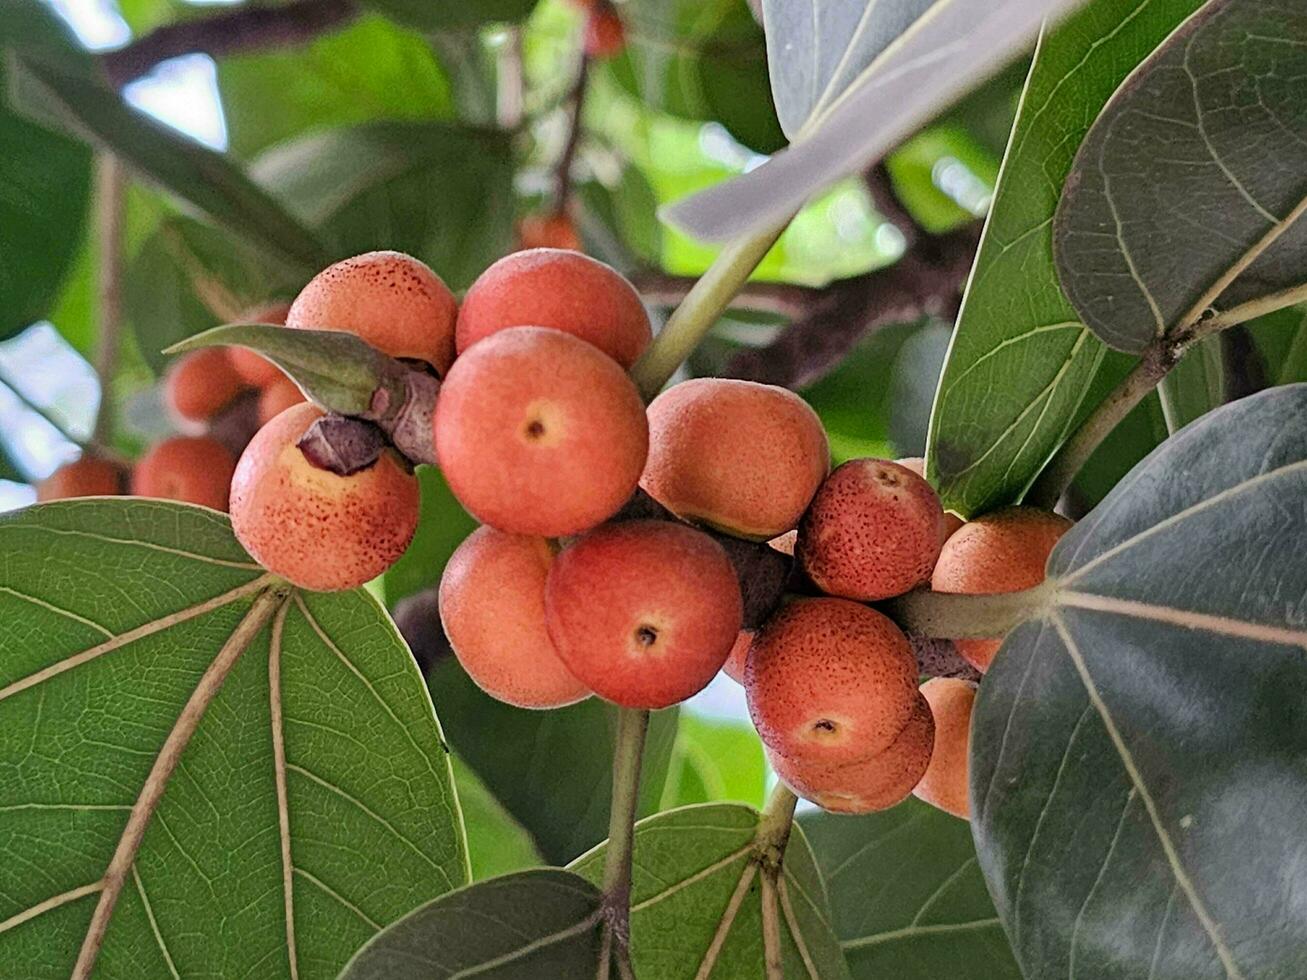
{"x": 563, "y": 171}
{"x": 246, "y": 29}
{"x": 705, "y": 302}
{"x": 960, "y": 616}
{"x": 881, "y": 188}
{"x": 111, "y": 186}
{"x": 926, "y": 280}
{"x": 784, "y": 299}
{"x": 632, "y": 726}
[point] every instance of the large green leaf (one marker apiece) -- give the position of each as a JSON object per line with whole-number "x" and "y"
{"x": 715, "y": 760}
{"x": 552, "y": 770}
{"x": 908, "y": 897}
{"x": 1021, "y": 361}
{"x": 371, "y": 70}
{"x": 441, "y": 192}
{"x": 1139, "y": 750}
{"x": 496, "y": 843}
{"x": 45, "y": 187}
{"x": 207, "y": 180}
{"x": 203, "y": 770}
{"x": 851, "y": 81}
{"x": 524, "y": 926}
{"x": 1188, "y": 190}
{"x": 696, "y": 875}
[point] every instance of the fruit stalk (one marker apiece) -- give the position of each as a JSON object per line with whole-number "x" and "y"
{"x": 703, "y": 304}
{"x": 632, "y": 726}
{"x": 774, "y": 826}
{"x": 963, "y": 616}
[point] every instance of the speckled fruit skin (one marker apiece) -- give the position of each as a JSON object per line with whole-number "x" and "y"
{"x": 200, "y": 383}
{"x": 560, "y": 289}
{"x": 643, "y": 612}
{"x": 548, "y": 231}
{"x": 1003, "y": 551}
{"x": 278, "y": 396}
{"x": 878, "y": 783}
{"x": 492, "y": 605}
{"x": 254, "y": 369}
{"x": 873, "y": 530}
{"x": 742, "y": 457}
{"x": 391, "y": 300}
{"x": 538, "y": 432}
{"x": 192, "y": 469}
{"x": 321, "y": 531}
{"x": 735, "y": 660}
{"x": 85, "y": 477}
{"x": 945, "y": 784}
{"x": 918, "y": 466}
{"x": 829, "y": 682}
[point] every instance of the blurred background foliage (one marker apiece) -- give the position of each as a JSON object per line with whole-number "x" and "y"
{"x": 254, "y": 159}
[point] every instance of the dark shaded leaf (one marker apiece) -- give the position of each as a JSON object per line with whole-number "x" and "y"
{"x": 1138, "y": 772}
{"x": 523, "y": 755}
{"x": 423, "y": 15}
{"x": 908, "y": 897}
{"x": 1188, "y": 190}
{"x": 523, "y": 926}
{"x": 194, "y": 173}
{"x": 405, "y": 186}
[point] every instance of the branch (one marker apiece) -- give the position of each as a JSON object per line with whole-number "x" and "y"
{"x": 926, "y": 280}
{"x": 110, "y": 186}
{"x": 563, "y": 171}
{"x": 242, "y": 30}
{"x": 784, "y": 299}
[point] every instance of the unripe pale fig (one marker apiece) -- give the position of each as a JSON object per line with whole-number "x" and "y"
{"x": 321, "y": 531}
{"x": 192, "y": 469}
{"x": 742, "y": 457}
{"x": 946, "y": 781}
{"x": 389, "y": 299}
{"x": 878, "y": 783}
{"x": 89, "y": 476}
{"x": 1004, "y": 551}
{"x": 492, "y": 605}
{"x": 538, "y": 432}
{"x": 560, "y": 289}
{"x": 830, "y": 682}
{"x": 873, "y": 531}
{"x": 643, "y": 612}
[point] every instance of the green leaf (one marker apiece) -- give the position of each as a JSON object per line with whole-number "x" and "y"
{"x": 704, "y": 61}
{"x": 524, "y": 926}
{"x": 908, "y": 896}
{"x": 696, "y": 870}
{"x": 1021, "y": 362}
{"x": 194, "y": 756}
{"x": 1282, "y": 339}
{"x": 1195, "y": 386}
{"x": 371, "y": 70}
{"x": 335, "y": 370}
{"x": 189, "y": 276}
{"x": 195, "y": 174}
{"x": 423, "y": 15}
{"x": 496, "y": 843}
{"x": 716, "y": 760}
{"x": 836, "y": 66}
{"x": 523, "y": 756}
{"x": 47, "y": 188}
{"x": 442, "y": 526}
{"x": 1188, "y": 190}
{"x": 1137, "y": 774}
{"x": 441, "y": 192}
